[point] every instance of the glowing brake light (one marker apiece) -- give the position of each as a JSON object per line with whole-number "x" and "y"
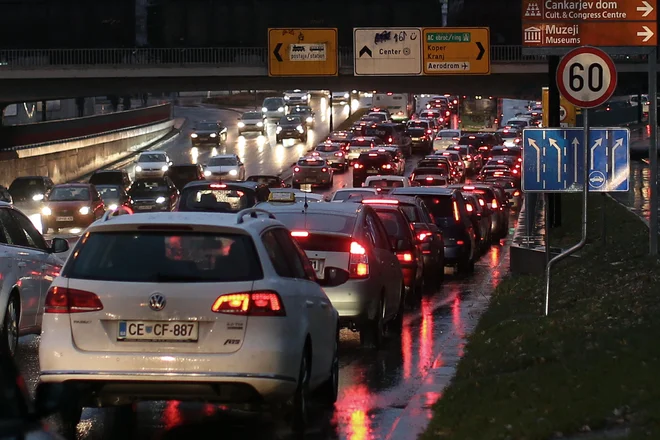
{"x": 494, "y": 204}
{"x": 424, "y": 235}
{"x": 217, "y": 185}
{"x": 358, "y": 266}
{"x": 299, "y": 234}
{"x": 429, "y": 179}
{"x": 457, "y": 215}
{"x": 339, "y": 154}
{"x": 505, "y": 149}
{"x": 387, "y": 166}
{"x": 358, "y": 166}
{"x": 514, "y": 171}
{"x": 469, "y": 188}
{"x": 481, "y": 202}
{"x": 389, "y": 139}
{"x": 469, "y": 207}
{"x": 380, "y": 202}
{"x": 429, "y": 131}
{"x": 468, "y": 157}
{"x": 516, "y": 194}
{"x": 296, "y": 169}
{"x": 324, "y": 170}
{"x": 520, "y": 159}
{"x": 500, "y": 161}
{"x": 405, "y": 257}
{"x": 258, "y": 303}
{"x": 65, "y": 300}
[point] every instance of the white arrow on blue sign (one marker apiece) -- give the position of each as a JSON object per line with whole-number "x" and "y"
{"x": 553, "y": 160}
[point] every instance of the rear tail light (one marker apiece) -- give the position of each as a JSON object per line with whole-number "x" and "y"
{"x": 494, "y": 204}
{"x": 358, "y": 165}
{"x": 299, "y": 234}
{"x": 406, "y": 257}
{"x": 446, "y": 113}
{"x": 217, "y": 185}
{"x": 469, "y": 207}
{"x": 65, "y": 300}
{"x": 339, "y": 154}
{"x": 389, "y": 139}
{"x": 258, "y": 303}
{"x": 460, "y": 242}
{"x": 457, "y": 215}
{"x": 430, "y": 179}
{"x": 516, "y": 194}
{"x": 358, "y": 266}
{"x": 429, "y": 131}
{"x": 424, "y": 235}
{"x": 468, "y": 157}
{"x": 324, "y": 170}
{"x": 514, "y": 171}
{"x": 481, "y": 202}
{"x": 296, "y": 170}
{"x": 455, "y": 139}
{"x": 520, "y": 159}
{"x": 387, "y": 166}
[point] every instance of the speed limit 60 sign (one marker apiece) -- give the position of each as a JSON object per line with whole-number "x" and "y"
{"x": 586, "y": 77}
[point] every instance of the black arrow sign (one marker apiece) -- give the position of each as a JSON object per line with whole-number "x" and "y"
{"x": 482, "y": 51}
{"x": 276, "y": 52}
{"x": 366, "y": 50}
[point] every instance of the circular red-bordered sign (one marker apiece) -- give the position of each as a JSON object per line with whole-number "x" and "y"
{"x": 586, "y": 77}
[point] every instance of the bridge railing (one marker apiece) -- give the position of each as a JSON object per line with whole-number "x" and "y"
{"x": 23, "y": 59}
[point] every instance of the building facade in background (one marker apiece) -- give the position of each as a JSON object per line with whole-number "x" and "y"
{"x": 503, "y": 18}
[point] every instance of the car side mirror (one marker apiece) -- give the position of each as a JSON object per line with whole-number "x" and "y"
{"x": 327, "y": 198}
{"x": 50, "y": 398}
{"x": 333, "y": 277}
{"x": 59, "y": 245}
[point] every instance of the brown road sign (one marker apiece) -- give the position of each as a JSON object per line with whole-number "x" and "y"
{"x": 589, "y": 10}
{"x": 574, "y": 34}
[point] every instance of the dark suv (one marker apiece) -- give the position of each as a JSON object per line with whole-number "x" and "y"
{"x": 182, "y": 175}
{"x": 372, "y": 163}
{"x": 111, "y": 177}
{"x": 450, "y": 214}
{"x": 498, "y": 202}
{"x": 392, "y": 134}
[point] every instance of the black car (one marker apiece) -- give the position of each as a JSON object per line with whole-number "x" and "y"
{"x": 155, "y": 194}
{"x": 5, "y": 196}
{"x": 341, "y": 137}
{"x": 111, "y": 177}
{"x": 305, "y": 112}
{"x": 209, "y": 132}
{"x": 515, "y": 152}
{"x": 30, "y": 189}
{"x": 498, "y": 202}
{"x": 450, "y": 215}
{"x": 372, "y": 163}
{"x": 267, "y": 181}
{"x": 359, "y": 127}
{"x": 436, "y": 176}
{"x": 208, "y": 196}
{"x": 392, "y": 134}
{"x": 481, "y": 219}
{"x": 114, "y": 196}
{"x": 183, "y": 174}
{"x": 421, "y": 133}
{"x": 291, "y": 127}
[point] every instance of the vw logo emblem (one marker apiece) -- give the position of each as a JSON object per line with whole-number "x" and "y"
{"x": 157, "y": 302}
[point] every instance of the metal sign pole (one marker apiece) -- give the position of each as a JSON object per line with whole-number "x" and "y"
{"x": 653, "y": 153}
{"x": 585, "y": 204}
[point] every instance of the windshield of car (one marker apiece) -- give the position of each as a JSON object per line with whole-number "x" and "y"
{"x": 471, "y": 140}
{"x": 435, "y": 171}
{"x": 152, "y": 157}
{"x": 385, "y": 183}
{"x": 508, "y": 134}
{"x": 252, "y": 115}
{"x": 328, "y": 148}
{"x": 317, "y": 221}
{"x": 439, "y": 206}
{"x": 411, "y": 212}
{"x": 394, "y": 223}
{"x": 223, "y": 162}
{"x": 162, "y": 257}
{"x": 414, "y": 131}
{"x": 345, "y": 195}
{"x": 273, "y": 103}
{"x": 311, "y": 162}
{"x": 378, "y": 116}
{"x": 429, "y": 115}
{"x": 509, "y": 152}
{"x": 149, "y": 186}
{"x": 69, "y": 193}
{"x": 361, "y": 143}
{"x": 290, "y": 120}
{"x": 216, "y": 199}
{"x": 207, "y": 126}
{"x": 373, "y": 159}
{"x": 25, "y": 187}
{"x": 418, "y": 124}
{"x": 448, "y": 134}
{"x": 109, "y": 192}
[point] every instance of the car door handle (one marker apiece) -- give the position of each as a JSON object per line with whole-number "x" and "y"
{"x": 309, "y": 304}
{"x": 22, "y": 264}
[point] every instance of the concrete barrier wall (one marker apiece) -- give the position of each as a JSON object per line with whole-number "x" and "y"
{"x": 67, "y": 161}
{"x": 15, "y": 136}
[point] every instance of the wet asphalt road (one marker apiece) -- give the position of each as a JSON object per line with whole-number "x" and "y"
{"x": 384, "y": 394}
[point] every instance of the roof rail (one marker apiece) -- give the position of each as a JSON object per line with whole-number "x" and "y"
{"x": 252, "y": 212}
{"x": 116, "y": 212}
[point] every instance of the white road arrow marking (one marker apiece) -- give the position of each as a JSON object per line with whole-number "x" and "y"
{"x": 618, "y": 143}
{"x": 532, "y": 143}
{"x": 646, "y": 8}
{"x": 576, "y": 143}
{"x": 647, "y": 34}
{"x": 597, "y": 144}
{"x": 553, "y": 143}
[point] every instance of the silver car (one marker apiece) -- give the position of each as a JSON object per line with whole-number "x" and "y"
{"x": 225, "y": 167}
{"x": 273, "y": 108}
{"x": 350, "y": 235}
{"x": 314, "y": 171}
{"x": 333, "y": 154}
{"x": 152, "y": 164}
{"x": 446, "y": 138}
{"x": 251, "y": 122}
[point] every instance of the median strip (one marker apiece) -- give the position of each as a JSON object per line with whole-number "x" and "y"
{"x": 589, "y": 366}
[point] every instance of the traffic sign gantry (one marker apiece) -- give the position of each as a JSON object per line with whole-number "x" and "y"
{"x": 451, "y": 51}
{"x": 590, "y": 33}
{"x": 387, "y": 52}
{"x": 562, "y": 10}
{"x": 553, "y": 160}
{"x": 302, "y": 52}
{"x": 586, "y": 77}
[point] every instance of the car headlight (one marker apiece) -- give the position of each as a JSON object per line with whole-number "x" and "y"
{"x": 165, "y": 168}
{"x": 113, "y": 207}
{"x": 207, "y": 173}
{"x": 138, "y": 168}
{"x": 260, "y": 124}
{"x": 213, "y": 135}
{"x": 160, "y": 200}
{"x": 300, "y": 129}
{"x": 84, "y": 210}
{"x": 346, "y": 95}
{"x": 46, "y": 211}
{"x": 278, "y": 129}
{"x": 233, "y": 172}
{"x": 193, "y": 135}
{"x": 264, "y": 109}
{"x": 241, "y": 125}
{"x": 305, "y": 97}
{"x": 286, "y": 98}
{"x": 280, "y": 109}
{"x": 38, "y": 197}
{"x": 309, "y": 119}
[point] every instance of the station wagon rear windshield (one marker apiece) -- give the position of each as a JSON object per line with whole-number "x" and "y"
{"x": 165, "y": 257}
{"x": 439, "y": 206}
{"x": 311, "y": 162}
{"x": 216, "y": 199}
{"x": 385, "y": 183}
{"x": 317, "y": 221}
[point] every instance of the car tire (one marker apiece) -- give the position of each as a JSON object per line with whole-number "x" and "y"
{"x": 300, "y": 399}
{"x": 329, "y": 390}
{"x": 10, "y": 326}
{"x": 372, "y": 330}
{"x": 69, "y": 417}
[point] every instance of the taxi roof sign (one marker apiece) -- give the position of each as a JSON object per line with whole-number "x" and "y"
{"x": 283, "y": 196}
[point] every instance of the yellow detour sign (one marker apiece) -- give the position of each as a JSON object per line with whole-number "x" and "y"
{"x": 567, "y": 111}
{"x": 302, "y": 52}
{"x": 456, "y": 51}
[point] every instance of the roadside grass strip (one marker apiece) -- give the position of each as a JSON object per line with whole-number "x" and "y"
{"x": 591, "y": 369}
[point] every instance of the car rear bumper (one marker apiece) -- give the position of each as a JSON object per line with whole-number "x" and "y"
{"x": 453, "y": 254}
{"x": 141, "y": 174}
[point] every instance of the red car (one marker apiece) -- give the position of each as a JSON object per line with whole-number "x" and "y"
{"x": 71, "y": 205}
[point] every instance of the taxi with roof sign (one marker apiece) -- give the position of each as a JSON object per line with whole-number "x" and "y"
{"x": 293, "y": 196}
{"x": 314, "y": 171}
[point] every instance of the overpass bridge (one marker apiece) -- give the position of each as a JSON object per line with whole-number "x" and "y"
{"x": 29, "y": 75}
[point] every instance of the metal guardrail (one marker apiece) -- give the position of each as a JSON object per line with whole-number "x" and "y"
{"x": 27, "y": 59}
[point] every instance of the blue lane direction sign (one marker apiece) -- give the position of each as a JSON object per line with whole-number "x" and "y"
{"x": 553, "y": 160}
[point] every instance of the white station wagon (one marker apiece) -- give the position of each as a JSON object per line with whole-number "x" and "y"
{"x": 221, "y": 308}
